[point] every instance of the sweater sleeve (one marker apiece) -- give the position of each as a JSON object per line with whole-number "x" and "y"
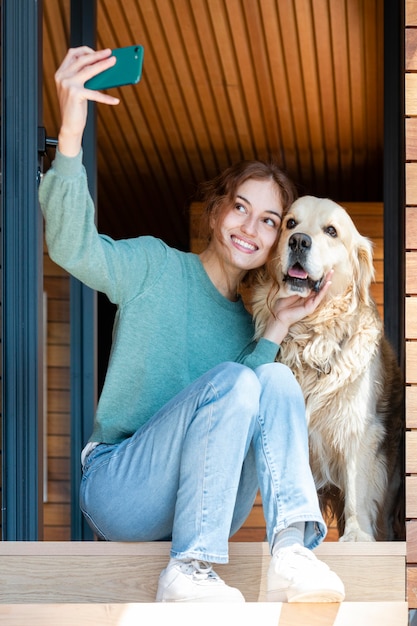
{"x": 117, "y": 268}
{"x": 260, "y": 352}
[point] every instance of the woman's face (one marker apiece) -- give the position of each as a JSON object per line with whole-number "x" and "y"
{"x": 250, "y": 227}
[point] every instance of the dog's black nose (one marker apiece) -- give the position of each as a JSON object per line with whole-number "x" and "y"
{"x": 299, "y": 241}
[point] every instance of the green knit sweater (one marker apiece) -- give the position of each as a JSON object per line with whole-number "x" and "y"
{"x": 171, "y": 326}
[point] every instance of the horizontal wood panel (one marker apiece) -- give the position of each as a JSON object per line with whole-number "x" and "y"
{"x": 249, "y": 533}
{"x": 411, "y": 361}
{"x": 256, "y": 517}
{"x": 58, "y": 356}
{"x": 411, "y": 138}
{"x": 377, "y": 292}
{"x": 59, "y": 401}
{"x": 411, "y": 183}
{"x": 57, "y": 533}
{"x": 411, "y": 49}
{"x": 358, "y": 210}
{"x": 411, "y": 318}
{"x": 58, "y": 333}
{"x": 58, "y": 445}
{"x": 411, "y": 497}
{"x": 411, "y": 273}
{"x": 56, "y": 514}
{"x": 58, "y": 377}
{"x": 59, "y": 424}
{"x": 411, "y": 94}
{"x": 379, "y": 270}
{"x": 58, "y": 309}
{"x": 59, "y": 469}
{"x": 411, "y": 12}
{"x": 411, "y": 406}
{"x": 378, "y": 249}
{"x": 411, "y": 452}
{"x": 411, "y": 530}
{"x": 412, "y": 587}
{"x": 411, "y": 229}
{"x": 59, "y": 492}
{"x": 56, "y": 287}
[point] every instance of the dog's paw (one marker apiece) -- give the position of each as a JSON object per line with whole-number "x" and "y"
{"x": 356, "y": 535}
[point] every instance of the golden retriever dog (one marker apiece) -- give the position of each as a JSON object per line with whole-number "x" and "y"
{"x": 346, "y": 368}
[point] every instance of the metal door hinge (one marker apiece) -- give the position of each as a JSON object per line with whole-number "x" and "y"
{"x": 44, "y": 141}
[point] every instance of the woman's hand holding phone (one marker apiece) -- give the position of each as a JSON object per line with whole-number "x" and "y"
{"x": 79, "y": 65}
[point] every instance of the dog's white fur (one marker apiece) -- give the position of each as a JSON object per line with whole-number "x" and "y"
{"x": 345, "y": 366}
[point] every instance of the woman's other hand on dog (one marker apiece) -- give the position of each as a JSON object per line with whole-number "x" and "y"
{"x": 288, "y": 311}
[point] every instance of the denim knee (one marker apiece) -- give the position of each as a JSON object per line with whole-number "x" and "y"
{"x": 280, "y": 376}
{"x": 241, "y": 383}
{"x": 281, "y": 398}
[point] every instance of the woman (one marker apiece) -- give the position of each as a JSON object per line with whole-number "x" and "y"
{"x": 194, "y": 416}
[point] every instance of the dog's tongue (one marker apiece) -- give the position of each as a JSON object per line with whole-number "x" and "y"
{"x": 297, "y": 272}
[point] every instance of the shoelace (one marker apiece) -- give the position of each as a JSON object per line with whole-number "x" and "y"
{"x": 200, "y": 570}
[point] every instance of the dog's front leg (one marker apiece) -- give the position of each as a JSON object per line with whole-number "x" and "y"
{"x": 359, "y": 511}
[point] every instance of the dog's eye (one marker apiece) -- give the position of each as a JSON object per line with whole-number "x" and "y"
{"x": 291, "y": 223}
{"x": 330, "y": 230}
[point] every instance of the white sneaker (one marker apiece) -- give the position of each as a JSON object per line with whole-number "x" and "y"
{"x": 194, "y": 581}
{"x": 296, "y": 575}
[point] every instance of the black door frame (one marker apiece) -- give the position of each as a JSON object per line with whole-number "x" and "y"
{"x": 22, "y": 271}
{"x": 83, "y": 300}
{"x": 394, "y": 177}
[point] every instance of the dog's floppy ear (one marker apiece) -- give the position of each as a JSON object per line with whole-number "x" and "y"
{"x": 363, "y": 268}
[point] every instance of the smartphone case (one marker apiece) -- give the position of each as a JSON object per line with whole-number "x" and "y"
{"x": 126, "y": 71}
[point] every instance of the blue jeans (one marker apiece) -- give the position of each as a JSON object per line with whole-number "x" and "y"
{"x": 191, "y": 473}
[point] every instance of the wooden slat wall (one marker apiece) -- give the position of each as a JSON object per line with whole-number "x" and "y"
{"x": 57, "y": 505}
{"x": 411, "y": 296}
{"x": 368, "y": 218}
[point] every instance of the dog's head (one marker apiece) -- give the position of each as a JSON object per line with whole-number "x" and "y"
{"x": 318, "y": 235}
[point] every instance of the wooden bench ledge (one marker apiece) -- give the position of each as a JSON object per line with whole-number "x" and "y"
{"x": 106, "y": 572}
{"x": 267, "y": 614}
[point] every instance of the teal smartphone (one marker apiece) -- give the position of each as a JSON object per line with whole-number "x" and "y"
{"x": 126, "y": 71}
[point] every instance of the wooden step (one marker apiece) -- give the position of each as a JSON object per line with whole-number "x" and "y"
{"x": 95, "y": 572}
{"x": 250, "y": 614}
